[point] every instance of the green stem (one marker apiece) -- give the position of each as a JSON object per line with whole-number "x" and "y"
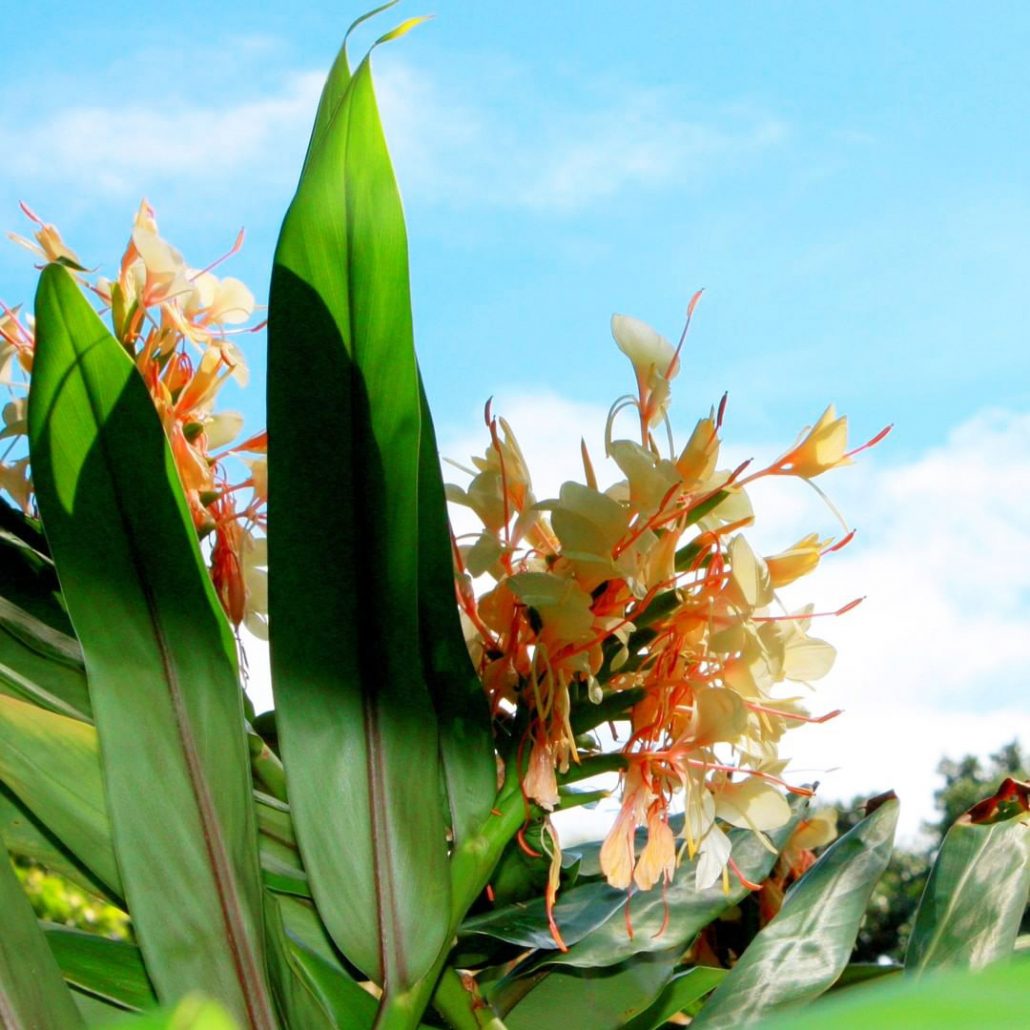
{"x": 462, "y": 1009}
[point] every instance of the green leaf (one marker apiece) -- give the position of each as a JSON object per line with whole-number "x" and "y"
{"x": 159, "y": 657}
{"x": 25, "y": 836}
{"x": 975, "y": 897}
{"x": 39, "y": 663}
{"x": 40, "y": 660}
{"x": 466, "y": 741}
{"x": 57, "y": 814}
{"x": 603, "y": 999}
{"x": 357, "y": 728}
{"x": 110, "y": 970}
{"x": 806, "y": 946}
{"x": 994, "y": 997}
{"x": 680, "y": 993}
{"x": 28, "y": 578}
{"x": 194, "y": 1012}
{"x": 682, "y": 910}
{"x": 32, "y": 993}
{"x": 50, "y": 763}
{"x": 577, "y": 912}
{"x": 312, "y": 988}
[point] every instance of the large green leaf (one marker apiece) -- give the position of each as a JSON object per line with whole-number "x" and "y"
{"x": 683, "y": 991}
{"x": 40, "y": 664}
{"x": 32, "y": 993}
{"x": 577, "y": 912}
{"x": 673, "y": 917}
{"x": 312, "y": 988}
{"x": 357, "y": 727}
{"x": 112, "y": 971}
{"x": 466, "y": 741}
{"x": 28, "y": 578}
{"x": 806, "y": 946}
{"x": 603, "y": 999}
{"x": 26, "y": 837}
{"x": 973, "y": 902}
{"x": 994, "y": 998}
{"x": 50, "y": 763}
{"x": 39, "y": 659}
{"x": 53, "y": 807}
{"x": 159, "y": 657}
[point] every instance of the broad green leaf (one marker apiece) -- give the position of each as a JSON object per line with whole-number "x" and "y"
{"x": 991, "y": 998}
{"x": 159, "y": 658}
{"x": 51, "y": 766}
{"x": 39, "y": 659}
{"x": 975, "y": 897}
{"x": 356, "y": 723}
{"x": 32, "y": 993}
{"x": 803, "y": 950}
{"x": 50, "y": 763}
{"x": 603, "y": 999}
{"x": 681, "y": 992}
{"x": 312, "y": 988}
{"x": 25, "y": 836}
{"x": 672, "y": 918}
{"x": 577, "y": 912}
{"x": 40, "y": 664}
{"x": 112, "y": 971}
{"x": 466, "y": 741}
{"x": 27, "y": 575}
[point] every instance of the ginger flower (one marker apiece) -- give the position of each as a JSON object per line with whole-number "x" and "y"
{"x": 646, "y": 587}
{"x": 158, "y": 304}
{"x": 822, "y": 447}
{"x": 654, "y": 361}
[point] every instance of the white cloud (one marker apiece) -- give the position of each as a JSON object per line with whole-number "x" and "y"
{"x": 462, "y": 148}
{"x": 572, "y": 155}
{"x": 127, "y": 149}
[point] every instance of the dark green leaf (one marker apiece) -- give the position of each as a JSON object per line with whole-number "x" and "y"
{"x": 973, "y": 902}
{"x": 603, "y": 999}
{"x": 577, "y": 912}
{"x": 681, "y": 992}
{"x": 806, "y": 946}
{"x": 26, "y": 837}
{"x": 312, "y": 988}
{"x": 32, "y": 993}
{"x": 50, "y": 763}
{"x": 110, "y": 970}
{"x": 466, "y": 742}
{"x": 356, "y": 723}
{"x": 159, "y": 657}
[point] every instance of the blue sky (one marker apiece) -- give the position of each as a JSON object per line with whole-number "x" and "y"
{"x": 848, "y": 183}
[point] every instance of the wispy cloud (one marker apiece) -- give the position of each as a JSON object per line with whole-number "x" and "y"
{"x": 572, "y": 155}
{"x": 126, "y": 150}
{"x": 457, "y": 140}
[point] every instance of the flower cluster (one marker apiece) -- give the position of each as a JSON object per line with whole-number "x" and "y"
{"x": 648, "y": 589}
{"x": 178, "y": 324}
